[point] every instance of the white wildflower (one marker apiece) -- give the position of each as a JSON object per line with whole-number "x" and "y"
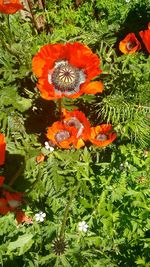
{"x": 48, "y": 147}
{"x": 82, "y": 226}
{"x": 127, "y": 164}
{"x": 121, "y": 166}
{"x": 39, "y": 217}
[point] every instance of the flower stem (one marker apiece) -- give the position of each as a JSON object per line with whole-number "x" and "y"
{"x": 8, "y": 23}
{"x": 11, "y": 37}
{"x": 74, "y": 192}
{"x": 60, "y": 108}
{"x": 32, "y": 15}
{"x": 41, "y": 4}
{"x": 16, "y": 175}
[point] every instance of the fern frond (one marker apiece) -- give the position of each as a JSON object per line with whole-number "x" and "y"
{"x": 131, "y": 119}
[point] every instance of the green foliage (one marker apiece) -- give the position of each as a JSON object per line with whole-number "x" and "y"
{"x": 115, "y": 204}
{"x": 108, "y": 188}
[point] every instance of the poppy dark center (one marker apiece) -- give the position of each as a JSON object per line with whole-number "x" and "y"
{"x": 130, "y": 45}
{"x": 101, "y": 137}
{"x": 74, "y": 122}
{"x": 14, "y": 203}
{"x": 65, "y": 77}
{"x": 62, "y": 136}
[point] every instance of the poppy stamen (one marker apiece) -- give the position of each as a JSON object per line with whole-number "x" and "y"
{"x": 130, "y": 45}
{"x": 62, "y": 136}
{"x": 101, "y": 137}
{"x": 66, "y": 78}
{"x": 74, "y": 122}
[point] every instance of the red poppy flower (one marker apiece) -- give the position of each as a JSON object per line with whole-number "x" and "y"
{"x": 4, "y": 209}
{"x": 21, "y": 217}
{"x": 61, "y": 134}
{"x": 14, "y": 200}
{"x": 145, "y": 36}
{"x": 78, "y": 120}
{"x": 65, "y": 70}
{"x": 129, "y": 44}
{"x": 2, "y": 178}
{"x": 102, "y": 135}
{"x": 10, "y": 6}
{"x": 2, "y": 149}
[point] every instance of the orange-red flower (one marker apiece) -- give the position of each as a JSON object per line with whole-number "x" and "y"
{"x": 14, "y": 200}
{"x": 21, "y": 217}
{"x": 2, "y": 149}
{"x": 102, "y": 135}
{"x": 10, "y": 6}
{"x": 65, "y": 70}
{"x": 61, "y": 134}
{"x": 78, "y": 120}
{"x": 129, "y": 44}
{"x": 145, "y": 36}
{"x": 4, "y": 209}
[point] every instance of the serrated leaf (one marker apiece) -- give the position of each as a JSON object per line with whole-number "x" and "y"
{"x": 23, "y": 243}
{"x": 23, "y": 104}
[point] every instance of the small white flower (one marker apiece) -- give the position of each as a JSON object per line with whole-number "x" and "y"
{"x": 127, "y": 164}
{"x": 39, "y": 217}
{"x": 145, "y": 153}
{"x": 82, "y": 226}
{"x": 48, "y": 147}
{"x": 34, "y": 108}
{"x": 121, "y": 166}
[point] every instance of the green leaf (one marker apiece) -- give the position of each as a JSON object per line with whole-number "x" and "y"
{"x": 23, "y": 104}
{"x": 23, "y": 244}
{"x": 65, "y": 261}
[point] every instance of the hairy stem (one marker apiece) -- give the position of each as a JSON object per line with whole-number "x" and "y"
{"x": 8, "y": 24}
{"x": 16, "y": 175}
{"x": 41, "y": 4}
{"x": 60, "y": 108}
{"x": 32, "y": 15}
{"x": 11, "y": 37}
{"x": 74, "y": 192}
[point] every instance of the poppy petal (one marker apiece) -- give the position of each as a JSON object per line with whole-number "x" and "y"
{"x": 145, "y": 36}
{"x": 4, "y": 209}
{"x": 2, "y": 149}
{"x": 10, "y": 6}
{"x": 21, "y": 217}
{"x": 82, "y": 57}
{"x": 48, "y": 54}
{"x": 93, "y": 88}
{"x": 79, "y": 143}
{"x": 129, "y": 44}
{"x": 47, "y": 90}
